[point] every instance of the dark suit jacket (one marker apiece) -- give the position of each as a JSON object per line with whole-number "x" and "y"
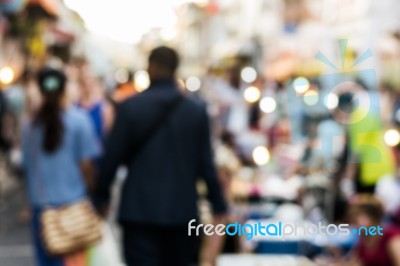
{"x": 161, "y": 185}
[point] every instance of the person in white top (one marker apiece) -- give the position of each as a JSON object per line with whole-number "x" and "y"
{"x": 388, "y": 191}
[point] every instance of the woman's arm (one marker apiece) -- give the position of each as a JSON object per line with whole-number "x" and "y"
{"x": 108, "y": 117}
{"x": 87, "y": 169}
{"x": 394, "y": 250}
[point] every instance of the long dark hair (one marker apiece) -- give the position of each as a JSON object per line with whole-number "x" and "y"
{"x": 52, "y": 86}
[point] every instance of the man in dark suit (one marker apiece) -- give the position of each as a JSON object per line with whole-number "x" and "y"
{"x": 164, "y": 139}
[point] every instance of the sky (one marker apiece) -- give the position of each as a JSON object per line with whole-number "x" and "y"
{"x": 127, "y": 20}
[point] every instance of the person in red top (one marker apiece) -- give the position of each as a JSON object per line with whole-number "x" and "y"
{"x": 377, "y": 250}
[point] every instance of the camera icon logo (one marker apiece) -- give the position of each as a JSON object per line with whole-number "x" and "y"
{"x": 322, "y": 103}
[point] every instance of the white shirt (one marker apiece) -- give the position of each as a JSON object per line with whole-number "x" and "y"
{"x": 388, "y": 191}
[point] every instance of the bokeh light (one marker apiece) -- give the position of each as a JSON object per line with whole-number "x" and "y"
{"x": 142, "y": 80}
{"x": 6, "y": 75}
{"x": 331, "y": 101}
{"x": 268, "y": 105}
{"x": 261, "y": 155}
{"x": 252, "y": 94}
{"x": 301, "y": 85}
{"x": 248, "y": 74}
{"x": 193, "y": 84}
{"x": 311, "y": 98}
{"x": 392, "y": 137}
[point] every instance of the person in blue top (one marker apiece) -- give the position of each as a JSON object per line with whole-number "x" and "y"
{"x": 58, "y": 146}
{"x": 92, "y": 100}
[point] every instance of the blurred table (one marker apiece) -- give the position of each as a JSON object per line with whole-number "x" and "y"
{"x": 263, "y": 260}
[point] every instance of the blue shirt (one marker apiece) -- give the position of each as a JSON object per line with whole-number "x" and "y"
{"x": 55, "y": 178}
{"x": 95, "y": 113}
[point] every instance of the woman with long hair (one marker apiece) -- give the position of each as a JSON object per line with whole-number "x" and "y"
{"x": 58, "y": 145}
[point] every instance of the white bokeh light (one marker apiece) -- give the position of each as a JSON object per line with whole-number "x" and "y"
{"x": 301, "y": 85}
{"x": 261, "y": 155}
{"x": 248, "y": 74}
{"x": 331, "y": 101}
{"x": 6, "y": 75}
{"x": 142, "y": 80}
{"x": 193, "y": 84}
{"x": 252, "y": 94}
{"x": 268, "y": 105}
{"x": 392, "y": 137}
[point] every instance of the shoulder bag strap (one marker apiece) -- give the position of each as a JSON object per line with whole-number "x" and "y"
{"x": 141, "y": 143}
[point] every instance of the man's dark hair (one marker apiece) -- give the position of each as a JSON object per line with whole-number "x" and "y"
{"x": 165, "y": 57}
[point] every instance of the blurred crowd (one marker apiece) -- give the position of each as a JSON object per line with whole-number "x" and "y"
{"x": 276, "y": 156}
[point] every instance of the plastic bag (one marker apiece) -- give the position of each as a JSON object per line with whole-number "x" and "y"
{"x": 106, "y": 252}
